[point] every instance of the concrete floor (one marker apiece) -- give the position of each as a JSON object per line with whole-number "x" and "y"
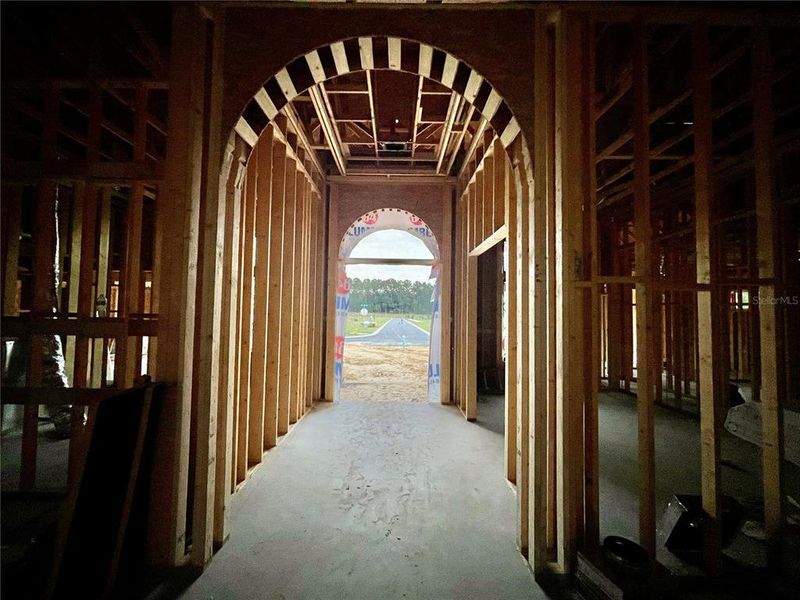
{"x": 368, "y": 500}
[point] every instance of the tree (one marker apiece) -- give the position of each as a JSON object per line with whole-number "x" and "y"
{"x": 390, "y": 295}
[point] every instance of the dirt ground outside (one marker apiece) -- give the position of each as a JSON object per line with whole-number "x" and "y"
{"x": 385, "y": 373}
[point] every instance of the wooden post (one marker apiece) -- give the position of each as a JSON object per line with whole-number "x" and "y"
{"x": 311, "y": 298}
{"x": 262, "y": 163}
{"x": 43, "y": 290}
{"x": 500, "y": 185}
{"x": 274, "y": 357}
{"x": 287, "y": 291}
{"x": 330, "y": 296}
{"x": 539, "y": 481}
{"x": 12, "y": 220}
{"x": 296, "y": 370}
{"x": 592, "y": 361}
{"x": 178, "y": 223}
{"x": 214, "y": 202}
{"x": 238, "y": 318}
{"x": 570, "y": 271}
{"x": 471, "y": 400}
{"x": 78, "y": 200}
{"x": 487, "y": 198}
{"x": 514, "y": 316}
{"x": 521, "y": 200}
{"x": 645, "y": 302}
{"x": 767, "y": 233}
{"x": 133, "y": 282}
{"x": 445, "y": 289}
{"x": 246, "y": 323}
{"x": 231, "y": 187}
{"x": 709, "y": 301}
{"x": 101, "y": 286}
{"x": 85, "y": 301}
{"x": 320, "y": 295}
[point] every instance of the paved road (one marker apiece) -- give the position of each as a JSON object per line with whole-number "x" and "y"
{"x": 392, "y": 333}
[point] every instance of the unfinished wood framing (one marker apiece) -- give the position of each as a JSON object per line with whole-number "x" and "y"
{"x": 643, "y": 185}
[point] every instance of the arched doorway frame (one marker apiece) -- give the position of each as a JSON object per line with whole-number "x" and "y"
{"x": 332, "y": 60}
{"x": 365, "y": 53}
{"x": 435, "y": 64}
{"x": 363, "y": 227}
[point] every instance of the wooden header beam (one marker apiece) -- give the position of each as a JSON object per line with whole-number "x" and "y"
{"x": 390, "y": 261}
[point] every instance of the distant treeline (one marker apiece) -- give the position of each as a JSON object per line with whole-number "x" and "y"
{"x": 390, "y": 296}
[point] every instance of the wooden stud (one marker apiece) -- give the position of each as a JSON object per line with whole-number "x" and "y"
{"x": 520, "y": 199}
{"x": 133, "y": 283}
{"x": 311, "y": 301}
{"x": 487, "y": 198}
{"x": 499, "y": 192}
{"x": 445, "y": 290}
{"x": 321, "y": 297}
{"x": 262, "y": 163}
{"x": 539, "y": 226}
{"x": 273, "y": 338}
{"x": 246, "y": 323}
{"x": 297, "y": 301}
{"x": 78, "y": 201}
{"x": 175, "y": 291}
{"x": 771, "y": 366}
{"x": 709, "y": 302}
{"x": 645, "y": 314}
{"x": 238, "y": 317}
{"x": 232, "y": 188}
{"x": 512, "y": 310}
{"x": 213, "y": 204}
{"x": 471, "y": 292}
{"x": 287, "y": 302}
{"x": 44, "y": 288}
{"x": 12, "y": 220}
{"x": 592, "y": 358}
{"x": 570, "y": 268}
{"x": 102, "y": 286}
{"x": 330, "y": 297}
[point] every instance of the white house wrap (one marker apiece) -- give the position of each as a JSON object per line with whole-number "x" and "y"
{"x": 379, "y": 220}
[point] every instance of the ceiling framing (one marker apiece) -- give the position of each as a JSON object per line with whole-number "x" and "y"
{"x": 390, "y": 122}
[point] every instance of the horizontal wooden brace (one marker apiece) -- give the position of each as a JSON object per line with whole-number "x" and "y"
{"x": 390, "y": 261}
{"x": 81, "y": 84}
{"x": 78, "y": 170}
{"x": 49, "y": 396}
{"x": 92, "y": 327}
{"x": 491, "y": 241}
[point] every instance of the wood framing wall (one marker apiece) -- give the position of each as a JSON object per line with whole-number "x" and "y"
{"x": 667, "y": 189}
{"x": 272, "y": 317}
{"x": 649, "y": 207}
{"x": 79, "y": 245}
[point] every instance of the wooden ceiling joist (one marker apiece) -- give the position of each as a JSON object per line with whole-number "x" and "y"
{"x": 324, "y": 114}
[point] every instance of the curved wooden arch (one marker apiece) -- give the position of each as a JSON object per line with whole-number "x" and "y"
{"x": 372, "y": 53}
{"x": 364, "y": 221}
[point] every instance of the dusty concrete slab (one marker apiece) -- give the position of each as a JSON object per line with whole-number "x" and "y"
{"x": 368, "y": 500}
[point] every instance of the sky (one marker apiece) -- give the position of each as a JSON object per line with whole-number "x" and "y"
{"x": 390, "y": 243}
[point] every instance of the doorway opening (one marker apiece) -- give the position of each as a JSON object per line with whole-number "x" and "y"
{"x": 491, "y": 338}
{"x": 387, "y": 310}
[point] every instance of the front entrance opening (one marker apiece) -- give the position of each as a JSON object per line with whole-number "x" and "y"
{"x": 387, "y": 339}
{"x": 387, "y": 310}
